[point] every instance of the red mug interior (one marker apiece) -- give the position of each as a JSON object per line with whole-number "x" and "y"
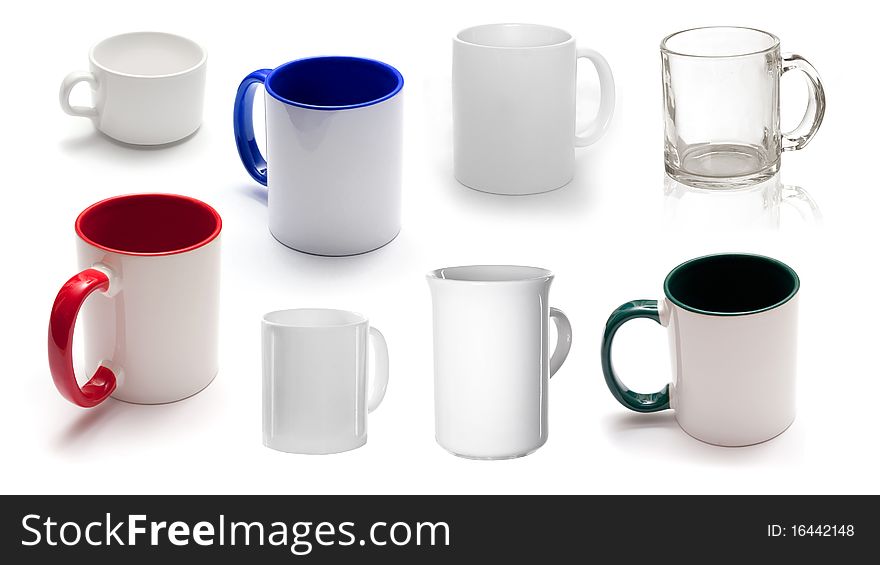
{"x": 148, "y": 224}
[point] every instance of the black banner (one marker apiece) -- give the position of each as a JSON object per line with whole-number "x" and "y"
{"x": 437, "y": 529}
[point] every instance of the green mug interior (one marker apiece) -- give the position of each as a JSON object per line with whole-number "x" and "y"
{"x": 731, "y": 284}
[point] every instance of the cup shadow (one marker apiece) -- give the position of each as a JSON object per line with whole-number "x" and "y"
{"x": 87, "y": 424}
{"x": 660, "y": 434}
{"x": 115, "y": 422}
{"x": 570, "y": 200}
{"x": 98, "y": 142}
{"x": 302, "y": 264}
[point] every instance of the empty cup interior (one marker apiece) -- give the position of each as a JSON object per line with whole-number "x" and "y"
{"x": 334, "y": 82}
{"x": 731, "y": 284}
{"x": 148, "y": 54}
{"x": 490, "y": 273}
{"x": 719, "y": 42}
{"x": 513, "y": 35}
{"x": 148, "y": 224}
{"x": 313, "y": 318}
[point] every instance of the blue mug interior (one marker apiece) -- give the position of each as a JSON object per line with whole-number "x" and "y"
{"x": 334, "y": 83}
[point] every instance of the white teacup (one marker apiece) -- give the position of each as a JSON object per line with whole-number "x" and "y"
{"x": 147, "y": 87}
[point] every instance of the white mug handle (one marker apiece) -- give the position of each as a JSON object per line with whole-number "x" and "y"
{"x": 380, "y": 378}
{"x": 67, "y": 85}
{"x": 599, "y": 125}
{"x": 563, "y": 339}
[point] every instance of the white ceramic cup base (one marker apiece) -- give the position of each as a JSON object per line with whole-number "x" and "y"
{"x": 709, "y": 441}
{"x": 355, "y": 254}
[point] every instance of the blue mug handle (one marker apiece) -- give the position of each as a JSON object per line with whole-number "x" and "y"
{"x": 243, "y": 122}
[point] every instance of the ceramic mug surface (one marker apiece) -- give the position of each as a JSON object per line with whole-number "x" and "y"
{"x": 148, "y": 88}
{"x": 492, "y": 358}
{"x": 514, "y": 90}
{"x": 315, "y": 391}
{"x": 151, "y": 263}
{"x": 334, "y": 137}
{"x": 732, "y": 323}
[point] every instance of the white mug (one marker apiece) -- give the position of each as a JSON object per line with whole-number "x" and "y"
{"x": 514, "y": 90}
{"x": 732, "y": 321}
{"x": 334, "y": 129}
{"x": 315, "y": 396}
{"x": 492, "y": 361}
{"x": 151, "y": 329}
{"x": 148, "y": 88}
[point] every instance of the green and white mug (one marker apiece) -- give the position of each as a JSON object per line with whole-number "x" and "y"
{"x": 732, "y": 321}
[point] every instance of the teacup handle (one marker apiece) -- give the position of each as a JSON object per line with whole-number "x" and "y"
{"x": 61, "y": 324}
{"x": 800, "y": 136}
{"x": 67, "y": 85}
{"x": 563, "y": 339}
{"x": 243, "y": 124}
{"x": 599, "y": 125}
{"x": 380, "y": 379}
{"x": 639, "y": 402}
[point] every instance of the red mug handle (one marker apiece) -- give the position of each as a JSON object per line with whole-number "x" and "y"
{"x": 61, "y": 323}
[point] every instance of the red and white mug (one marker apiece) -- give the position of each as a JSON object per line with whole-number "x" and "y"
{"x": 153, "y": 261}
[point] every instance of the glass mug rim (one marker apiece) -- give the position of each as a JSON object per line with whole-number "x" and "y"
{"x": 568, "y": 37}
{"x": 774, "y": 43}
{"x": 766, "y": 263}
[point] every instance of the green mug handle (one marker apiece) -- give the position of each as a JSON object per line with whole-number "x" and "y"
{"x": 636, "y": 401}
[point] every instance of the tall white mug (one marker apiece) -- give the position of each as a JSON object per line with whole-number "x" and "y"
{"x": 315, "y": 397}
{"x": 492, "y": 359}
{"x": 148, "y": 88}
{"x": 334, "y": 136}
{"x": 514, "y": 90}
{"x": 732, "y": 321}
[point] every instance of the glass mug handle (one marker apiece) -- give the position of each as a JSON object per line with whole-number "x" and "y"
{"x": 599, "y": 125}
{"x": 61, "y": 324}
{"x": 800, "y": 136}
{"x": 636, "y": 401}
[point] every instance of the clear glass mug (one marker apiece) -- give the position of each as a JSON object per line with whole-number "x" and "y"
{"x": 721, "y": 106}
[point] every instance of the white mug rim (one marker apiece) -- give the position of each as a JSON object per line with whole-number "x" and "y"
{"x": 355, "y": 318}
{"x": 538, "y": 274}
{"x": 458, "y": 36}
{"x": 201, "y": 63}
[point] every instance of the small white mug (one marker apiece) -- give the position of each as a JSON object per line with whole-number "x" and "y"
{"x": 514, "y": 90}
{"x": 315, "y": 396}
{"x": 732, "y": 322}
{"x": 492, "y": 361}
{"x": 148, "y": 88}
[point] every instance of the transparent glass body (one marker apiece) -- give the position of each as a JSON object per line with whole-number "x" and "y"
{"x": 721, "y": 106}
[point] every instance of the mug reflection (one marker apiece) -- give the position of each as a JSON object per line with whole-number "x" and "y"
{"x": 758, "y": 207}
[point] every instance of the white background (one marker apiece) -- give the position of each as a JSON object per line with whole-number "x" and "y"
{"x": 607, "y": 236}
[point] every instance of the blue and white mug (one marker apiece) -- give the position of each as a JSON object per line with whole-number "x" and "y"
{"x": 334, "y": 129}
